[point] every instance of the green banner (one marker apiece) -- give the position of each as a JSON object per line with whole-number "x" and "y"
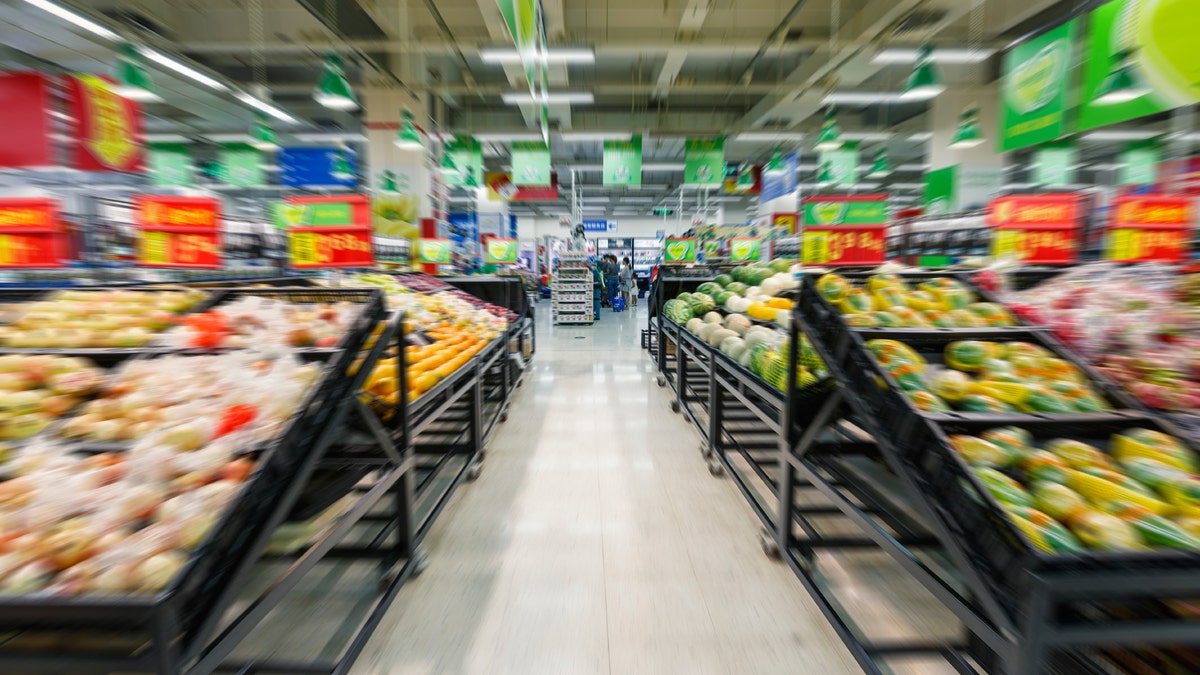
{"x": 1034, "y": 85}
{"x": 433, "y": 251}
{"x": 1138, "y": 165}
{"x": 623, "y": 162}
{"x": 170, "y": 165}
{"x": 241, "y": 166}
{"x": 704, "y": 161}
{"x": 530, "y": 163}
{"x": 841, "y": 211}
{"x": 1054, "y": 164}
{"x": 285, "y": 215}
{"x": 940, "y": 187}
{"x": 839, "y": 167}
{"x": 1163, "y": 59}
{"x": 679, "y": 251}
{"x": 745, "y": 249}
{"x": 501, "y": 252}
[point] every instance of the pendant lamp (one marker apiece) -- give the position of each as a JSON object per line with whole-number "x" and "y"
{"x": 881, "y": 167}
{"x": 969, "y": 133}
{"x": 133, "y": 82}
{"x": 407, "y": 137}
{"x": 1121, "y": 85}
{"x": 333, "y": 91}
{"x": 831, "y": 135}
{"x": 263, "y": 137}
{"x": 925, "y": 81}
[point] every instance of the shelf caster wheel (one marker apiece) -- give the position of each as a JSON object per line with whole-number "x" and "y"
{"x": 706, "y": 452}
{"x": 675, "y": 406}
{"x": 769, "y": 547}
{"x": 716, "y": 468}
{"x": 504, "y": 418}
{"x": 662, "y": 382}
{"x": 474, "y": 470}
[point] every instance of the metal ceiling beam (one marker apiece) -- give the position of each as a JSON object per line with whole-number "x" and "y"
{"x": 689, "y": 24}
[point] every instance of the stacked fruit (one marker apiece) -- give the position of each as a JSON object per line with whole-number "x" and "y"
{"x": 989, "y": 377}
{"x": 104, "y": 319}
{"x": 886, "y": 301}
{"x": 37, "y": 389}
{"x": 254, "y": 321}
{"x": 1068, "y": 496}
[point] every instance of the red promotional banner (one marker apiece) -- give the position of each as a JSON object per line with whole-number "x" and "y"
{"x": 178, "y": 231}
{"x": 108, "y": 126}
{"x": 502, "y": 189}
{"x": 1037, "y": 229}
{"x": 1150, "y": 229}
{"x": 30, "y": 235}
{"x": 25, "y": 123}
{"x": 785, "y": 220}
{"x": 844, "y": 245}
{"x": 337, "y": 233}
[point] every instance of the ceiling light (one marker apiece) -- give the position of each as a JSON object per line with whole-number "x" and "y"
{"x": 768, "y": 137}
{"x": 925, "y": 81}
{"x": 1120, "y": 135}
{"x": 913, "y": 167}
{"x": 921, "y": 137}
{"x": 263, "y": 106}
{"x": 77, "y": 19}
{"x": 407, "y": 137}
{"x": 666, "y": 166}
{"x": 551, "y": 55}
{"x": 165, "y": 138}
{"x": 1121, "y": 85}
{"x": 549, "y": 97}
{"x": 881, "y": 167}
{"x": 133, "y": 82}
{"x": 585, "y": 136}
{"x": 502, "y": 136}
{"x": 868, "y": 136}
{"x": 969, "y": 133}
{"x": 745, "y": 179}
{"x": 775, "y": 165}
{"x": 183, "y": 69}
{"x": 585, "y": 167}
{"x": 907, "y": 186}
{"x": 263, "y": 136}
{"x": 862, "y": 97}
{"x": 637, "y": 200}
{"x": 940, "y": 55}
{"x": 333, "y": 91}
{"x": 245, "y": 139}
{"x": 831, "y": 135}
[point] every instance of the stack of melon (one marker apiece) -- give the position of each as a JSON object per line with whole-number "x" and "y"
{"x": 886, "y": 301}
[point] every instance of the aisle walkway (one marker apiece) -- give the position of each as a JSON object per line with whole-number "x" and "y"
{"x": 596, "y": 541}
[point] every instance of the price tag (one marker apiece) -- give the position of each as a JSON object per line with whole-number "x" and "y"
{"x": 816, "y": 248}
{"x": 1124, "y": 245}
{"x": 302, "y": 248}
{"x": 154, "y": 247}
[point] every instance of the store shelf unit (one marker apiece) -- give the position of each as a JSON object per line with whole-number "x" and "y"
{"x": 572, "y": 293}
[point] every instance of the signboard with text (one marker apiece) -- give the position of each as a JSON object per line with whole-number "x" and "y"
{"x": 332, "y": 231}
{"x": 745, "y": 249}
{"x": 498, "y": 251}
{"x": 108, "y": 126}
{"x": 1037, "y": 229}
{"x": 178, "y": 231}
{"x": 844, "y": 229}
{"x": 679, "y": 251}
{"x": 1150, "y": 229}
{"x": 29, "y": 233}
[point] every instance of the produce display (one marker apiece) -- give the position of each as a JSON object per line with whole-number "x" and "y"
{"x": 74, "y": 522}
{"x": 1068, "y": 496}
{"x": 887, "y": 301}
{"x": 254, "y": 321}
{"x": 37, "y": 389}
{"x": 989, "y": 377}
{"x": 1135, "y": 323}
{"x": 95, "y": 319}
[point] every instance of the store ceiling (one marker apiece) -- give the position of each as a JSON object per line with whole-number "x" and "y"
{"x": 664, "y": 68}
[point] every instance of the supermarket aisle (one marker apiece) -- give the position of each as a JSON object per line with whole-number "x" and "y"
{"x": 597, "y": 542}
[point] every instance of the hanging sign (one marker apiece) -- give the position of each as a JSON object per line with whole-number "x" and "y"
{"x": 839, "y": 167}
{"x": 844, "y": 229}
{"x": 530, "y": 164}
{"x": 679, "y": 251}
{"x": 27, "y": 130}
{"x": 502, "y": 189}
{"x": 784, "y": 221}
{"x": 1037, "y": 229}
{"x": 433, "y": 251}
{"x": 704, "y": 161}
{"x": 745, "y": 249}
{"x": 1150, "y": 229}
{"x": 1054, "y": 163}
{"x": 332, "y": 232}
{"x": 1035, "y": 87}
{"x": 178, "y": 231}
{"x": 623, "y": 161}
{"x": 499, "y": 251}
{"x": 1138, "y": 165}
{"x": 466, "y": 154}
{"x": 170, "y": 165}
{"x": 242, "y": 166}
{"x": 29, "y": 233}
{"x": 108, "y": 126}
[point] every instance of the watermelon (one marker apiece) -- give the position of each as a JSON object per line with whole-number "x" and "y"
{"x": 759, "y": 354}
{"x": 737, "y": 273}
{"x": 677, "y": 311}
{"x": 684, "y": 297}
{"x": 723, "y": 279}
{"x": 737, "y": 287}
{"x": 723, "y": 297}
{"x": 709, "y": 287}
{"x": 701, "y": 304}
{"x": 780, "y": 265}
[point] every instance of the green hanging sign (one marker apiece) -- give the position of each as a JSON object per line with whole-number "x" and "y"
{"x": 679, "y": 251}
{"x": 1138, "y": 165}
{"x": 704, "y": 161}
{"x": 745, "y": 249}
{"x": 838, "y": 210}
{"x": 530, "y": 163}
{"x": 285, "y": 215}
{"x": 501, "y": 252}
{"x": 466, "y": 155}
{"x": 1034, "y": 87}
{"x": 241, "y": 166}
{"x": 1054, "y": 164}
{"x": 840, "y": 166}
{"x": 940, "y": 191}
{"x": 623, "y": 162}
{"x": 170, "y": 165}
{"x": 433, "y": 251}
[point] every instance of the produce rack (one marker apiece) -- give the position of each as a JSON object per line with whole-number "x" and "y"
{"x": 844, "y": 467}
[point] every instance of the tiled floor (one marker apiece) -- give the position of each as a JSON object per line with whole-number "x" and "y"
{"x": 596, "y": 541}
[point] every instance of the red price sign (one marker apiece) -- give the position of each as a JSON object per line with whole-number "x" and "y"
{"x": 1037, "y": 229}
{"x": 844, "y": 245}
{"x": 330, "y": 247}
{"x": 29, "y": 233}
{"x": 1036, "y": 247}
{"x": 1150, "y": 229}
{"x": 179, "y": 231}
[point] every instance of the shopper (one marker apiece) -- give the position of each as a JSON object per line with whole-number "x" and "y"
{"x": 626, "y": 277}
{"x": 612, "y": 273}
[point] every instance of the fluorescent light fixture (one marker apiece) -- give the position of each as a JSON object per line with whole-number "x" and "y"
{"x": 1119, "y": 135}
{"x": 636, "y": 200}
{"x": 921, "y": 137}
{"x": 77, "y": 19}
{"x": 866, "y": 136}
{"x": 165, "y": 138}
{"x": 594, "y": 199}
{"x": 513, "y": 136}
{"x": 862, "y": 97}
{"x": 585, "y": 136}
{"x": 551, "y": 55}
{"x": 1105, "y": 167}
{"x": 263, "y": 106}
{"x": 330, "y": 137}
{"x": 663, "y": 167}
{"x": 913, "y": 167}
{"x": 901, "y": 55}
{"x": 585, "y": 167}
{"x": 907, "y": 186}
{"x": 768, "y": 137}
{"x": 549, "y": 97}
{"x": 230, "y": 138}
{"x": 182, "y": 68}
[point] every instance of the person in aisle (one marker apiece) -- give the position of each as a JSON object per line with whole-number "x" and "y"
{"x": 612, "y": 273}
{"x": 626, "y": 277}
